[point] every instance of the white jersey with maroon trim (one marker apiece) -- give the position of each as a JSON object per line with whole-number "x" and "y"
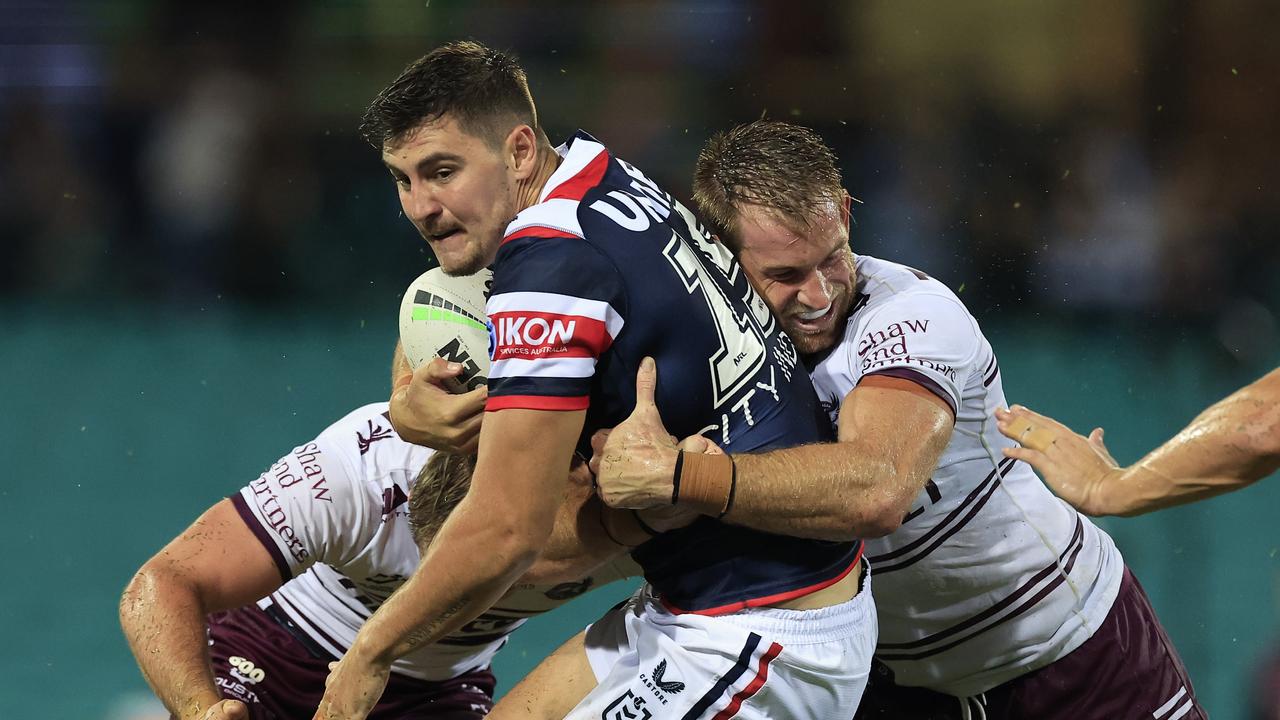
{"x": 333, "y": 513}
{"x": 990, "y": 576}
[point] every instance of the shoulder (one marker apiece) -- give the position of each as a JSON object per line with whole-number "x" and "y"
{"x": 893, "y": 294}
{"x": 903, "y": 317}
{"x": 364, "y": 447}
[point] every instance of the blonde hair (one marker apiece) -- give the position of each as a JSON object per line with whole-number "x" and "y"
{"x": 776, "y": 165}
{"x": 441, "y": 484}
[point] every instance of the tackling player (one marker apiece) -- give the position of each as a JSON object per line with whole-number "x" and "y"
{"x": 595, "y": 267}
{"x": 994, "y": 597}
{"x": 1234, "y": 443}
{"x": 288, "y": 569}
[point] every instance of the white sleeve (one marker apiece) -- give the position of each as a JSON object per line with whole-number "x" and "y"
{"x": 309, "y": 507}
{"x": 927, "y": 338}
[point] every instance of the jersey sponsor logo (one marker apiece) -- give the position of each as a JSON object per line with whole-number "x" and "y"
{"x": 536, "y": 331}
{"x": 236, "y": 690}
{"x": 626, "y": 707}
{"x": 245, "y": 670}
{"x": 880, "y": 348}
{"x": 533, "y": 335}
{"x": 392, "y": 498}
{"x": 895, "y": 332}
{"x": 272, "y": 513}
{"x": 637, "y": 210}
{"x": 308, "y": 471}
{"x": 664, "y": 686}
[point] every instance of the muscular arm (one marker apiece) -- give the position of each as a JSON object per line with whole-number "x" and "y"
{"x": 892, "y": 433}
{"x": 216, "y": 564}
{"x": 578, "y": 543}
{"x": 1233, "y": 443}
{"x": 491, "y": 539}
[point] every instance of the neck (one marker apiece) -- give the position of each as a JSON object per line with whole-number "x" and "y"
{"x": 528, "y": 190}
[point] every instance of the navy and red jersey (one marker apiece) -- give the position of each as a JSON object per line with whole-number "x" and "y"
{"x": 605, "y": 269}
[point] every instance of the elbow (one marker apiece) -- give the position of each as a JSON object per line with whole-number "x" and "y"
{"x": 859, "y": 520}
{"x": 1266, "y": 434}
{"x": 148, "y": 584}
{"x": 880, "y": 519}
{"x": 516, "y": 545}
{"x": 881, "y": 514}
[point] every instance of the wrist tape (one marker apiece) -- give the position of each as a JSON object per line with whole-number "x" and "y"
{"x": 705, "y": 482}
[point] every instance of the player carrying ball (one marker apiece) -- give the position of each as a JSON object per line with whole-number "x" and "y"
{"x": 595, "y": 267}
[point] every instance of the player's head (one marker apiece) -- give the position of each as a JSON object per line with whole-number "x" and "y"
{"x": 442, "y": 483}
{"x": 440, "y": 486}
{"x": 459, "y": 132}
{"x": 772, "y": 192}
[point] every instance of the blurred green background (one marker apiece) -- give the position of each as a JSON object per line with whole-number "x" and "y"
{"x": 200, "y": 262}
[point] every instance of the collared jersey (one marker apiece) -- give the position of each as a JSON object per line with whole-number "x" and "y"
{"x": 607, "y": 268}
{"x": 990, "y": 576}
{"x": 334, "y": 516}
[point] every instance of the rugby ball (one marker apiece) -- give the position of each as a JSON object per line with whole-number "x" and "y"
{"x": 443, "y": 316}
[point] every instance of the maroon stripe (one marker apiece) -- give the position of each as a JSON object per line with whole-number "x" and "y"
{"x": 1073, "y": 549}
{"x": 980, "y": 495}
{"x": 920, "y": 379}
{"x": 264, "y": 537}
{"x": 992, "y": 377}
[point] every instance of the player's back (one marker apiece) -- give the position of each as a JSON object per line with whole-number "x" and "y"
{"x": 607, "y": 269}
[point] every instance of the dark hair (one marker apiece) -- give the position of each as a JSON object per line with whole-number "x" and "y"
{"x": 476, "y": 85}
{"x": 439, "y": 487}
{"x": 783, "y": 167}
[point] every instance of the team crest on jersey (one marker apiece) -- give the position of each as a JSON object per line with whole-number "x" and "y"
{"x": 627, "y": 707}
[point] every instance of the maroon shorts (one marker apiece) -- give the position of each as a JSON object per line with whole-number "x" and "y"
{"x": 1127, "y": 669}
{"x": 279, "y": 673}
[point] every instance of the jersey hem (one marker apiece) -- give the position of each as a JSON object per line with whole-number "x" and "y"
{"x": 768, "y": 599}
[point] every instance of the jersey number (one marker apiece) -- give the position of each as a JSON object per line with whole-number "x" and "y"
{"x": 742, "y": 332}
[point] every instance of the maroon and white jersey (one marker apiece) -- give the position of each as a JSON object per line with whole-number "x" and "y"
{"x": 990, "y": 576}
{"x": 334, "y": 515}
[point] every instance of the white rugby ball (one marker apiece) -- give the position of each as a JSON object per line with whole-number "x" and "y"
{"x": 443, "y": 316}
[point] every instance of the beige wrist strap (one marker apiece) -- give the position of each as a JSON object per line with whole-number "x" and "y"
{"x": 705, "y": 482}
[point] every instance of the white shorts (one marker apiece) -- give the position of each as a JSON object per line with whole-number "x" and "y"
{"x": 759, "y": 663}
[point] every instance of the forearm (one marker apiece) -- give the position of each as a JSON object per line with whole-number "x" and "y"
{"x": 1231, "y": 444}
{"x": 578, "y": 545}
{"x": 836, "y": 491}
{"x": 448, "y": 589}
{"x": 164, "y": 622}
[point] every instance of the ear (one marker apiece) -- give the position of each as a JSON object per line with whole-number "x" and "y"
{"x": 522, "y": 151}
{"x": 846, "y": 210}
